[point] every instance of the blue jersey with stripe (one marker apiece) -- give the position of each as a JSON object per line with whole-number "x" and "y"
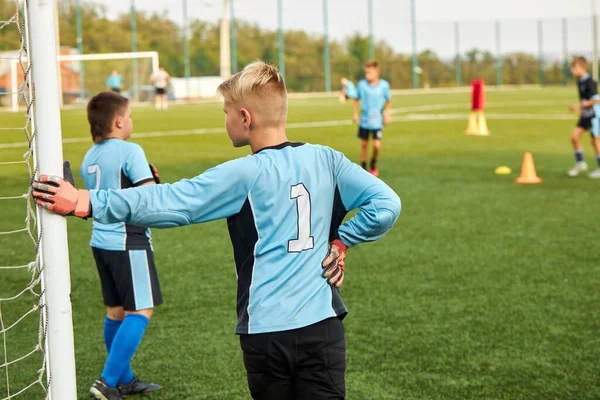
{"x": 587, "y": 91}
{"x": 351, "y": 90}
{"x": 116, "y": 164}
{"x": 372, "y": 101}
{"x": 283, "y": 205}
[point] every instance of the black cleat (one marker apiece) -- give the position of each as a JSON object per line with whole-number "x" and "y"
{"x": 101, "y": 391}
{"x": 138, "y": 387}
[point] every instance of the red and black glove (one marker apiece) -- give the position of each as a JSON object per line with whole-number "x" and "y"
{"x": 60, "y": 195}
{"x": 333, "y": 264}
{"x": 155, "y": 174}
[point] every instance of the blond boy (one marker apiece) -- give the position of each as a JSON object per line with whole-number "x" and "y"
{"x": 284, "y": 205}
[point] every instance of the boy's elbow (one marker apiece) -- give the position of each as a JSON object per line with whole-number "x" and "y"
{"x": 389, "y": 213}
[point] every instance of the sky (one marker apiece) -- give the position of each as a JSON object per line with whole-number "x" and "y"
{"x": 391, "y": 21}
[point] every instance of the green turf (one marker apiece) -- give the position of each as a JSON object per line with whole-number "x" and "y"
{"x": 484, "y": 289}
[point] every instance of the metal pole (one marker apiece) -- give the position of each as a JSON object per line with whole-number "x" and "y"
{"x": 233, "y": 42}
{"x": 565, "y": 51}
{"x": 281, "y": 49}
{"x": 541, "y": 50}
{"x": 594, "y": 41}
{"x": 80, "y": 47}
{"x": 370, "y": 16}
{"x": 458, "y": 60}
{"x": 415, "y": 61}
{"x": 225, "y": 43}
{"x": 56, "y": 284}
{"x": 57, "y": 33}
{"x": 326, "y": 47}
{"x": 134, "y": 49}
{"x": 186, "y": 49}
{"x": 498, "y": 56}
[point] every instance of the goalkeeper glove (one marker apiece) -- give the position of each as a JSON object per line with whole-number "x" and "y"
{"x": 333, "y": 264}
{"x": 60, "y": 195}
{"x": 155, "y": 174}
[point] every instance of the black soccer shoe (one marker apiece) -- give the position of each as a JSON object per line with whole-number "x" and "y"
{"x": 137, "y": 387}
{"x": 101, "y": 391}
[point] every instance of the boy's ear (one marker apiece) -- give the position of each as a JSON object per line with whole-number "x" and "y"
{"x": 246, "y": 117}
{"x": 118, "y": 121}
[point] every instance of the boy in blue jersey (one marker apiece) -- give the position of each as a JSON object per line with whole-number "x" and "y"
{"x": 348, "y": 90}
{"x": 589, "y": 117}
{"x": 114, "y": 81}
{"x": 284, "y": 205}
{"x": 123, "y": 252}
{"x": 374, "y": 99}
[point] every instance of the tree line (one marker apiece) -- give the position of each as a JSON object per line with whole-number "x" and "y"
{"x": 304, "y": 59}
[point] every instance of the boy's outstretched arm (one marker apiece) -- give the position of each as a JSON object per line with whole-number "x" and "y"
{"x": 218, "y": 193}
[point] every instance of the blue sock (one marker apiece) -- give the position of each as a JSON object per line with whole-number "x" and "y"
{"x": 579, "y": 155}
{"x": 111, "y": 327}
{"x": 125, "y": 343}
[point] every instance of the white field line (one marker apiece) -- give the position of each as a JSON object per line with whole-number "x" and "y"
{"x": 439, "y": 117}
{"x": 323, "y": 124}
{"x": 456, "y": 106}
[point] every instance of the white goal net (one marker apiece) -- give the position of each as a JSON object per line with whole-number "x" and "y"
{"x": 30, "y": 364}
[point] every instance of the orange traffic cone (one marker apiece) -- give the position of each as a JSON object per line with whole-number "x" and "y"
{"x": 528, "y": 174}
{"x": 477, "y": 125}
{"x": 472, "y": 126}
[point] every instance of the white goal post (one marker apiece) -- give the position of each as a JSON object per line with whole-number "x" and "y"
{"x": 56, "y": 281}
{"x": 14, "y": 67}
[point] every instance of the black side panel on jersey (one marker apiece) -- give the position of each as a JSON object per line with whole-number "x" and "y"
{"x": 244, "y": 236}
{"x": 591, "y": 88}
{"x": 337, "y": 217}
{"x": 136, "y": 237}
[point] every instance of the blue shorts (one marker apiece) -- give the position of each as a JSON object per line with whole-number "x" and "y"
{"x": 591, "y": 125}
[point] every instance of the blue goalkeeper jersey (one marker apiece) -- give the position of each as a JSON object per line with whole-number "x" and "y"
{"x": 283, "y": 206}
{"x": 114, "y": 81}
{"x": 372, "y": 102}
{"x": 116, "y": 164}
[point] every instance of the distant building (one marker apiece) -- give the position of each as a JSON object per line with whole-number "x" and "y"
{"x": 69, "y": 73}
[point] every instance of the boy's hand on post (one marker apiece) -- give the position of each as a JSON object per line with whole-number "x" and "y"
{"x": 333, "y": 264}
{"x": 57, "y": 195}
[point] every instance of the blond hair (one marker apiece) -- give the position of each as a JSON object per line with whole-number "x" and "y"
{"x": 260, "y": 87}
{"x": 256, "y": 77}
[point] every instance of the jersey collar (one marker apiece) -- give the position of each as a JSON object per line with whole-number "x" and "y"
{"x": 585, "y": 78}
{"x": 280, "y": 146}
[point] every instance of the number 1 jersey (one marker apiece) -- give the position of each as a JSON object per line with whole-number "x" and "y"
{"x": 283, "y": 205}
{"x": 116, "y": 164}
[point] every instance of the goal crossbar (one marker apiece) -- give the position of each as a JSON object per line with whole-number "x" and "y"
{"x": 14, "y": 80}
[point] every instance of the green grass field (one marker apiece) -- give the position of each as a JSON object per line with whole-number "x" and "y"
{"x": 484, "y": 289}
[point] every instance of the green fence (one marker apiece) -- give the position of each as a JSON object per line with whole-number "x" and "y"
{"x": 315, "y": 42}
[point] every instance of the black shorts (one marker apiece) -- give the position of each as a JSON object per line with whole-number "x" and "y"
{"x": 366, "y": 133}
{"x": 116, "y": 90}
{"x": 591, "y": 124}
{"x": 128, "y": 278}
{"x": 160, "y": 91}
{"x": 306, "y": 363}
